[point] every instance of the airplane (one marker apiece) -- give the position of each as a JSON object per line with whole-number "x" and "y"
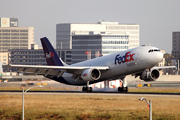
{"x": 140, "y": 61}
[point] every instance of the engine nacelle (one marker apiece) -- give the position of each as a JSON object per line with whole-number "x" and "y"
{"x": 91, "y": 74}
{"x": 152, "y": 75}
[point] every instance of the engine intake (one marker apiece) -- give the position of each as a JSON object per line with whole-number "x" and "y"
{"x": 91, "y": 74}
{"x": 152, "y": 75}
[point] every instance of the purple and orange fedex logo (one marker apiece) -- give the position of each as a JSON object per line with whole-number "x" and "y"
{"x": 126, "y": 58}
{"x": 49, "y": 55}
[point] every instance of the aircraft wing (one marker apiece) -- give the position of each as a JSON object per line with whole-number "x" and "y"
{"x": 53, "y": 70}
{"x": 164, "y": 67}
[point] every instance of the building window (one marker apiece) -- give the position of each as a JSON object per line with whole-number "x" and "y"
{"x": 5, "y": 30}
{"x": 14, "y": 30}
{"x": 68, "y": 56}
{"x": 68, "y": 60}
{"x": 23, "y": 30}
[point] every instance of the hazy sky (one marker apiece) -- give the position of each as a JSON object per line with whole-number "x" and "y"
{"x": 157, "y": 18}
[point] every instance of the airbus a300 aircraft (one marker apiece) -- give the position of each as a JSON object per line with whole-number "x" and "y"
{"x": 138, "y": 61}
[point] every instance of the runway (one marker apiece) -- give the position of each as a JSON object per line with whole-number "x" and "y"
{"x": 75, "y": 93}
{"x": 74, "y": 90}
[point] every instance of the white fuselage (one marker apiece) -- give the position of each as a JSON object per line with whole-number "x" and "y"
{"x": 121, "y": 64}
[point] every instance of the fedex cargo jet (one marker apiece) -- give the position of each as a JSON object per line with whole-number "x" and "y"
{"x": 138, "y": 61}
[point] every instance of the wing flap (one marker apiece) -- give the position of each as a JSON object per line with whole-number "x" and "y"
{"x": 39, "y": 71}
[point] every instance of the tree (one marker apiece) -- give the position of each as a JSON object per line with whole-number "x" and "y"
{"x": 178, "y": 56}
{"x": 168, "y": 59}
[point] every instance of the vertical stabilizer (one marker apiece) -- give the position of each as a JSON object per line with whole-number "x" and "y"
{"x": 51, "y": 56}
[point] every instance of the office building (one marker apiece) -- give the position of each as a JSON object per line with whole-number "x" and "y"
{"x": 34, "y": 56}
{"x": 65, "y": 32}
{"x": 176, "y": 45}
{"x": 14, "y": 37}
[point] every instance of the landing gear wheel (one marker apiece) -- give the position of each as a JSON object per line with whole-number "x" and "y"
{"x": 90, "y": 89}
{"x": 123, "y": 89}
{"x": 87, "y": 89}
{"x": 120, "y": 89}
{"x": 84, "y": 89}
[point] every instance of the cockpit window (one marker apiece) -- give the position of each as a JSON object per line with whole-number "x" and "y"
{"x": 154, "y": 50}
{"x": 150, "y": 50}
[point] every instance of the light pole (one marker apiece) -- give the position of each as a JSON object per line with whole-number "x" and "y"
{"x": 23, "y": 98}
{"x": 150, "y": 106}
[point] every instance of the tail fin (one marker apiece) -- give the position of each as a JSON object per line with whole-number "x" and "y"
{"x": 50, "y": 54}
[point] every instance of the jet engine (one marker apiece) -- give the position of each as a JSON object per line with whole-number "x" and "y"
{"x": 91, "y": 74}
{"x": 152, "y": 75}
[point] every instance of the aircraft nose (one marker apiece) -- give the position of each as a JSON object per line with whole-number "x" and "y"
{"x": 158, "y": 57}
{"x": 161, "y": 56}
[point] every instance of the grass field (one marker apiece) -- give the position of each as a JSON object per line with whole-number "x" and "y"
{"x": 88, "y": 107}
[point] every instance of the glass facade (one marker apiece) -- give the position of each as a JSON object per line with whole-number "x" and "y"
{"x": 104, "y": 44}
{"x": 83, "y": 43}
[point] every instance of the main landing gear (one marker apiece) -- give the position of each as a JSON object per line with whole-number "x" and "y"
{"x": 87, "y": 88}
{"x": 124, "y": 87}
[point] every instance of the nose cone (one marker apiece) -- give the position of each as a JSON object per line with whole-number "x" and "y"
{"x": 157, "y": 57}
{"x": 160, "y": 56}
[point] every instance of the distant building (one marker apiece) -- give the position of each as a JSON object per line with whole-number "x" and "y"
{"x": 4, "y": 58}
{"x": 1, "y": 69}
{"x": 176, "y": 45}
{"x": 65, "y": 32}
{"x": 16, "y": 38}
{"x": 13, "y": 37}
{"x": 104, "y": 37}
{"x": 35, "y": 56}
